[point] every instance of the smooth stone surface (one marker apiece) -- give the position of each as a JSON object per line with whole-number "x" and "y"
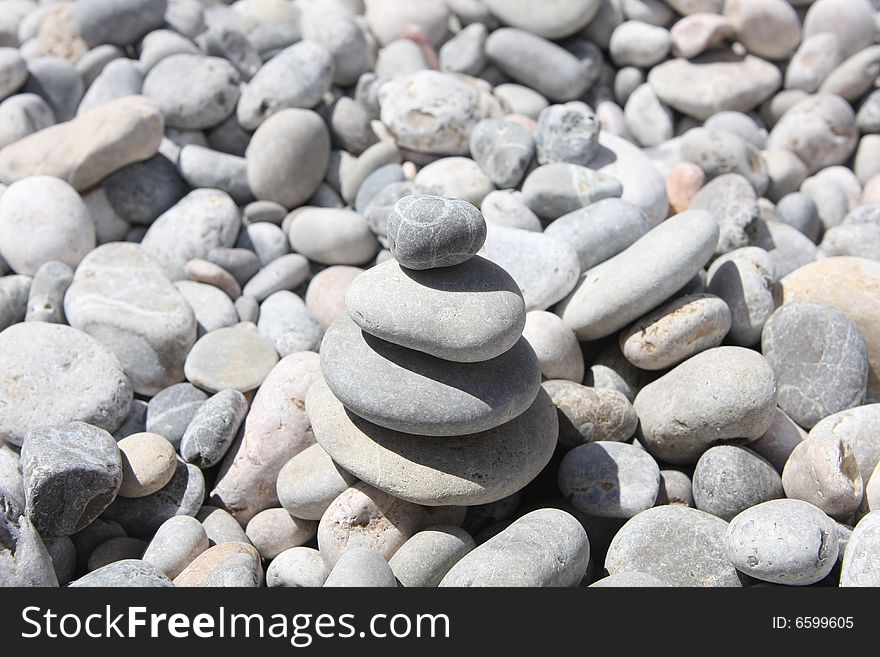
{"x": 275, "y": 153}
{"x": 860, "y": 567}
{"x": 468, "y": 313}
{"x": 310, "y": 481}
{"x": 484, "y": 395}
{"x": 209, "y": 273}
{"x": 851, "y": 22}
{"x": 426, "y": 232}
{"x": 506, "y": 208}
{"x": 553, "y": 190}
{"x": 288, "y": 324}
{"x": 426, "y": 557}
{"x": 732, "y": 201}
{"x": 777, "y": 443}
{"x": 43, "y": 219}
{"x": 71, "y": 473}
{"x": 822, "y": 282}
{"x": 609, "y": 479}
{"x": 718, "y": 151}
{"x": 203, "y": 167}
{"x": 236, "y": 357}
{"x": 177, "y": 542}
{"x": 696, "y": 33}
{"x": 119, "y": 22}
{"x": 857, "y": 427}
{"x": 360, "y": 567}
{"x": 712, "y": 83}
{"x": 332, "y": 237}
{"x": 636, "y": 43}
{"x": 273, "y": 531}
{"x": 788, "y": 248}
{"x": 434, "y": 112}
{"x": 220, "y": 526}
{"x": 148, "y": 464}
{"x": 567, "y": 133}
{"x": 547, "y": 547}
{"x": 783, "y": 542}
{"x": 364, "y": 517}
{"x": 680, "y": 545}
{"x": 171, "y": 410}
{"x": 744, "y": 279}
{"x": 46, "y": 298}
{"x": 325, "y": 296}
{"x": 297, "y": 567}
{"x": 676, "y": 331}
{"x": 235, "y": 565}
{"x": 203, "y": 220}
{"x": 619, "y": 290}
{"x": 544, "y": 268}
{"x": 182, "y": 495}
{"x": 675, "y": 488}
{"x": 84, "y": 151}
{"x": 276, "y": 429}
{"x": 155, "y": 332}
{"x": 820, "y": 129}
{"x": 23, "y": 115}
{"x": 589, "y": 414}
{"x": 296, "y": 77}
{"x": 286, "y": 272}
{"x": 52, "y": 393}
{"x": 561, "y": 18}
{"x": 456, "y": 177}
{"x": 736, "y": 389}
{"x": 600, "y": 230}
{"x": 464, "y": 470}
{"x": 729, "y": 479}
{"x": 116, "y": 549}
{"x": 820, "y": 359}
{"x": 213, "y": 428}
{"x": 134, "y": 573}
{"x": 526, "y": 58}
{"x": 824, "y": 472}
{"x": 212, "y": 308}
{"x": 555, "y": 345}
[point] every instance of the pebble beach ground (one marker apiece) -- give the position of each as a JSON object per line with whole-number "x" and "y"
{"x": 303, "y": 293}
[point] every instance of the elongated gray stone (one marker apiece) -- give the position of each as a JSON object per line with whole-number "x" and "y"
{"x": 170, "y": 411}
{"x": 467, "y": 313}
{"x": 547, "y": 548}
{"x": 553, "y": 190}
{"x": 443, "y": 398}
{"x": 462, "y": 470}
{"x": 723, "y": 395}
{"x": 676, "y": 331}
{"x": 545, "y": 269}
{"x": 71, "y": 474}
{"x": 621, "y": 289}
{"x": 212, "y": 429}
{"x": 426, "y": 557}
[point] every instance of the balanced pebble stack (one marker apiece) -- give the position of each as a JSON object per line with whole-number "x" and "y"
{"x": 430, "y": 393}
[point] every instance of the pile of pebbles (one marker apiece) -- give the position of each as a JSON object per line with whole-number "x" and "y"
{"x": 439, "y": 293}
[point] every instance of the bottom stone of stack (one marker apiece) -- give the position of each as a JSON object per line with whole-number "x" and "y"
{"x": 452, "y": 470}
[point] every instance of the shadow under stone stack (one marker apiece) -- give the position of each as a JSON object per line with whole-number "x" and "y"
{"x": 430, "y": 392}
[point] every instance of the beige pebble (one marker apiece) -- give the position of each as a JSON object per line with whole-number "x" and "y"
{"x": 325, "y": 296}
{"x": 825, "y": 473}
{"x": 274, "y": 530}
{"x": 203, "y": 271}
{"x": 682, "y": 184}
{"x": 148, "y": 463}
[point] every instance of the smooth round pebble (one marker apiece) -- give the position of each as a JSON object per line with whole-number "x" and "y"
{"x": 729, "y": 479}
{"x": 148, "y": 464}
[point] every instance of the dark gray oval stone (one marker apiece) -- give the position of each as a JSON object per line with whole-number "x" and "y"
{"x": 409, "y": 391}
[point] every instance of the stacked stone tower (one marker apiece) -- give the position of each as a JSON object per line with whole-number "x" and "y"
{"x": 430, "y": 392}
